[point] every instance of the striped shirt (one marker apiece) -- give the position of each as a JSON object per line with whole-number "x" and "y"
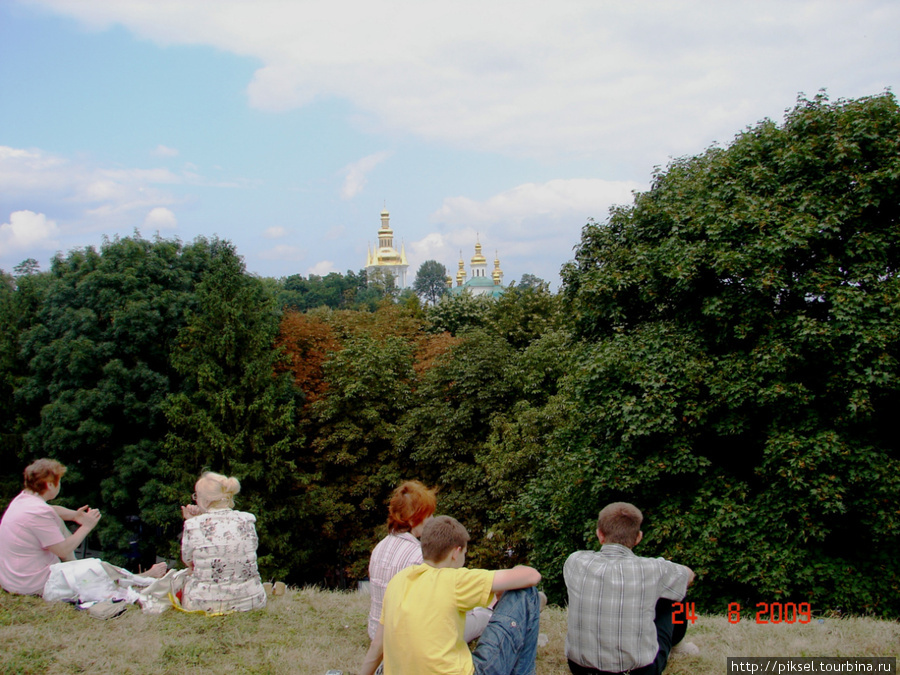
{"x": 612, "y": 604}
{"x": 392, "y": 554}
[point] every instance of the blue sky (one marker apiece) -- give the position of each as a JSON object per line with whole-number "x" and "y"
{"x": 286, "y": 126}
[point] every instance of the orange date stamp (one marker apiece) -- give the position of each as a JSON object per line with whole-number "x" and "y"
{"x": 766, "y": 612}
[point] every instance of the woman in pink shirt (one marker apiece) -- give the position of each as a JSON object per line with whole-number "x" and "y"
{"x": 33, "y": 535}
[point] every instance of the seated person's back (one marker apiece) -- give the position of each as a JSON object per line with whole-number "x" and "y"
{"x": 423, "y": 616}
{"x": 219, "y": 546}
{"x": 619, "y": 615}
{"x": 411, "y": 505}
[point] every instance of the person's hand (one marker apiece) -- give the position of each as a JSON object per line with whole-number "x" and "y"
{"x": 88, "y": 517}
{"x": 190, "y": 510}
{"x": 78, "y": 515}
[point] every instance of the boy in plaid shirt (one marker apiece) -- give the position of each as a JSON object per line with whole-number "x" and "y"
{"x": 620, "y": 604}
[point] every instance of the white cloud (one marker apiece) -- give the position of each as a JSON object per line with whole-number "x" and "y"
{"x": 531, "y": 227}
{"x": 28, "y": 230}
{"x": 164, "y": 151}
{"x": 103, "y": 193}
{"x": 559, "y": 200}
{"x": 356, "y": 174}
{"x": 283, "y": 252}
{"x": 433, "y": 246}
{"x": 160, "y": 218}
{"x": 28, "y": 172}
{"x": 650, "y": 80}
{"x": 321, "y": 268}
{"x": 446, "y": 248}
{"x": 276, "y": 232}
{"x": 97, "y": 197}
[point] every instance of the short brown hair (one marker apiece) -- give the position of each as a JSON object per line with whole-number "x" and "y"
{"x": 441, "y": 535}
{"x": 411, "y": 503}
{"x": 42, "y": 473}
{"x": 620, "y": 523}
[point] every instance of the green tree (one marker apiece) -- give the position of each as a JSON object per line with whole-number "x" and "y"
{"x": 531, "y": 281}
{"x": 520, "y": 433}
{"x": 357, "y": 294}
{"x": 458, "y": 313}
{"x": 446, "y": 430}
{"x": 98, "y": 370}
{"x": 356, "y": 465}
{"x": 337, "y": 291}
{"x": 27, "y": 267}
{"x": 524, "y": 313}
{"x": 383, "y": 284}
{"x": 21, "y": 296}
{"x": 232, "y": 414}
{"x": 431, "y": 281}
{"x": 10, "y": 478}
{"x": 739, "y": 375}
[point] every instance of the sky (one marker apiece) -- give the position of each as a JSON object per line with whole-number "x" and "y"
{"x": 287, "y": 126}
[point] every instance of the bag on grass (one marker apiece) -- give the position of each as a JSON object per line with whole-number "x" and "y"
{"x": 79, "y": 581}
{"x": 157, "y": 597}
{"x": 91, "y": 580}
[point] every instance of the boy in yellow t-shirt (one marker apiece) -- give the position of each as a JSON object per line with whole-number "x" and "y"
{"x": 423, "y": 616}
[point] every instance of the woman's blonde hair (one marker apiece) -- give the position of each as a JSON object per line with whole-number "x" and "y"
{"x": 216, "y": 491}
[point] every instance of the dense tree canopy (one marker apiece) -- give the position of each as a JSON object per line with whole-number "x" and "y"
{"x": 353, "y": 452}
{"x": 458, "y": 313}
{"x": 723, "y": 353}
{"x": 738, "y": 375}
{"x": 232, "y": 414}
{"x": 338, "y": 291}
{"x": 98, "y": 369}
{"x": 9, "y": 368}
{"x": 531, "y": 281}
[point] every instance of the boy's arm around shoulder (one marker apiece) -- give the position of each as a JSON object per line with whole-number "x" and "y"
{"x": 520, "y": 576}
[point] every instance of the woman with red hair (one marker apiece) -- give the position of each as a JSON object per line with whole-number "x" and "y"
{"x": 411, "y": 505}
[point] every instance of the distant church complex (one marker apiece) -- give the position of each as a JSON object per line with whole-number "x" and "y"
{"x": 478, "y": 283}
{"x": 385, "y": 257}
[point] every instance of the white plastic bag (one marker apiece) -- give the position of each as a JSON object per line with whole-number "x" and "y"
{"x": 79, "y": 581}
{"x": 91, "y": 580}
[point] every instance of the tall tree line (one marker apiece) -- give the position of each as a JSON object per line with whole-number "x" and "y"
{"x": 142, "y": 363}
{"x": 723, "y": 353}
{"x": 737, "y": 335}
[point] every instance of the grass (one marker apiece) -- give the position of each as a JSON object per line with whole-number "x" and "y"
{"x": 310, "y": 631}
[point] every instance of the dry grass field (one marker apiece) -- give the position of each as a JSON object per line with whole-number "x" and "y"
{"x": 310, "y": 631}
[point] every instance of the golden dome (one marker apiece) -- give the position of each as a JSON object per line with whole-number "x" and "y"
{"x": 478, "y": 258}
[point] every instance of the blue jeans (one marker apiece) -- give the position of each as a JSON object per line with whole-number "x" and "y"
{"x": 508, "y": 645}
